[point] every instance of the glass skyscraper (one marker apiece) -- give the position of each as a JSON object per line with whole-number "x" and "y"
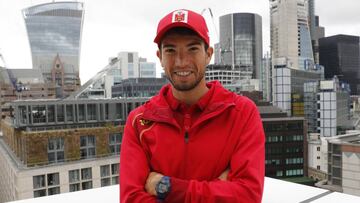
{"x": 54, "y": 32}
{"x": 240, "y": 41}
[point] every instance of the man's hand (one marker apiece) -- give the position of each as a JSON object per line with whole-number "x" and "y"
{"x": 224, "y": 175}
{"x": 151, "y": 182}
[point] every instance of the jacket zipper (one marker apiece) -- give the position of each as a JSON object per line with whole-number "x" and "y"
{"x": 186, "y": 137}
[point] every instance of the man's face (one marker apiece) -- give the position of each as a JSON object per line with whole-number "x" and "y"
{"x": 184, "y": 60}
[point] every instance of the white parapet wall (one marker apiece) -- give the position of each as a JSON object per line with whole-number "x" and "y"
{"x": 276, "y": 191}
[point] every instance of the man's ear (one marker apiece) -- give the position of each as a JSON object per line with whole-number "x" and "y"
{"x": 209, "y": 53}
{"x": 158, "y": 54}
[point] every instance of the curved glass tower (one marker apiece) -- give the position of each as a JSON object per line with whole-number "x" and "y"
{"x": 54, "y": 32}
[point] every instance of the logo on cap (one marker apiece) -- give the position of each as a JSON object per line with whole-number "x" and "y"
{"x": 180, "y": 16}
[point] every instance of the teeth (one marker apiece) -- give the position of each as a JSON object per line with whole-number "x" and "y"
{"x": 183, "y": 73}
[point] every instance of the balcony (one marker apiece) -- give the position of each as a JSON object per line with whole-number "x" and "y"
{"x": 276, "y": 191}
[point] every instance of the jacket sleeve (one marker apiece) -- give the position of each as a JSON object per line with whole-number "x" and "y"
{"x": 134, "y": 168}
{"x": 247, "y": 169}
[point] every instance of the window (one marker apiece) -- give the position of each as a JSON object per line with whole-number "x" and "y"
{"x": 39, "y": 181}
{"x": 105, "y": 174}
{"x": 87, "y": 146}
{"x": 91, "y": 112}
{"x": 114, "y": 143}
{"x": 51, "y": 113}
{"x": 81, "y": 112}
{"x": 46, "y": 184}
{"x": 38, "y": 113}
{"x": 318, "y": 157}
{"x": 86, "y": 174}
{"x": 74, "y": 176}
{"x": 69, "y": 113}
{"x": 76, "y": 183}
{"x": 318, "y": 167}
{"x": 56, "y": 150}
{"x": 60, "y": 113}
{"x": 53, "y": 179}
{"x": 109, "y": 177}
{"x": 318, "y": 149}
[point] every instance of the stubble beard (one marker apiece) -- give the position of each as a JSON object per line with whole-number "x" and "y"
{"x": 186, "y": 87}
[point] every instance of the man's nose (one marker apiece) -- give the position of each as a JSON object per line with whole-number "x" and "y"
{"x": 181, "y": 60}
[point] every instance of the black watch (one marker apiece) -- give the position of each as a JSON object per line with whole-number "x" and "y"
{"x": 163, "y": 187}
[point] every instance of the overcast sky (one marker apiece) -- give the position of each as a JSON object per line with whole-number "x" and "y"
{"x": 111, "y": 26}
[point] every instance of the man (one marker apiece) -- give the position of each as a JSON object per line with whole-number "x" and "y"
{"x": 194, "y": 141}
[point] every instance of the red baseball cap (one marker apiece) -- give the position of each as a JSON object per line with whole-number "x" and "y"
{"x": 183, "y": 18}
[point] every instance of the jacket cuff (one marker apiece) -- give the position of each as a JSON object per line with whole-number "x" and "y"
{"x": 178, "y": 190}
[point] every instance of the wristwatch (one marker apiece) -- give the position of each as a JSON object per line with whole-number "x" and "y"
{"x": 163, "y": 187}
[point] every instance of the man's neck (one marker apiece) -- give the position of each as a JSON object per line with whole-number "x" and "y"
{"x": 192, "y": 96}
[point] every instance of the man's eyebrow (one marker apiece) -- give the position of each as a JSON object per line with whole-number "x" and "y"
{"x": 194, "y": 43}
{"x": 168, "y": 46}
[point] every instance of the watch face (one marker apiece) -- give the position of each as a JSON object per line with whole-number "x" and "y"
{"x": 163, "y": 188}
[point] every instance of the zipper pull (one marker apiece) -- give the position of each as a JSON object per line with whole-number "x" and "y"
{"x": 186, "y": 137}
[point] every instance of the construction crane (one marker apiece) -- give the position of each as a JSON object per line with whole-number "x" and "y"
{"x": 212, "y": 19}
{"x": 13, "y": 80}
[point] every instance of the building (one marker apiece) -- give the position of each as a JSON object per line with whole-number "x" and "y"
{"x": 130, "y": 65}
{"x": 265, "y": 77}
{"x": 147, "y": 69}
{"x": 138, "y": 87}
{"x": 333, "y": 100}
{"x": 317, "y": 157}
{"x": 240, "y": 42}
{"x": 17, "y": 84}
{"x": 126, "y": 65}
{"x": 290, "y": 33}
{"x": 56, "y": 146}
{"x": 227, "y": 74}
{"x": 54, "y": 33}
{"x": 344, "y": 163}
{"x": 285, "y": 150}
{"x": 311, "y": 90}
{"x": 288, "y": 87}
{"x": 340, "y": 54}
{"x": 316, "y": 31}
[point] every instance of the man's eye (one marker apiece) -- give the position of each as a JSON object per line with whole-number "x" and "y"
{"x": 194, "y": 48}
{"x": 169, "y": 50}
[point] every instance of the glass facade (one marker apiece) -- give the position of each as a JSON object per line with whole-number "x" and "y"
{"x": 241, "y": 41}
{"x": 340, "y": 54}
{"x": 55, "y": 29}
{"x": 288, "y": 88}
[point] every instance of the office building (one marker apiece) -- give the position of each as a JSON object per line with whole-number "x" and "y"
{"x": 138, "y": 87}
{"x": 125, "y": 66}
{"x": 344, "y": 163}
{"x": 317, "y": 151}
{"x": 227, "y": 74}
{"x": 130, "y": 65}
{"x": 333, "y": 108}
{"x": 340, "y": 54}
{"x": 311, "y": 90}
{"x": 288, "y": 87}
{"x": 54, "y": 33}
{"x": 57, "y": 146}
{"x": 285, "y": 150}
{"x": 17, "y": 84}
{"x": 265, "y": 77}
{"x": 240, "y": 42}
{"x": 290, "y": 34}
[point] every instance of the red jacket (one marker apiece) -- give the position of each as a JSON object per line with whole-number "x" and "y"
{"x": 227, "y": 133}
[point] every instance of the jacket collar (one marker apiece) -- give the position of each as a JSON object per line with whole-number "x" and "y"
{"x": 159, "y": 109}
